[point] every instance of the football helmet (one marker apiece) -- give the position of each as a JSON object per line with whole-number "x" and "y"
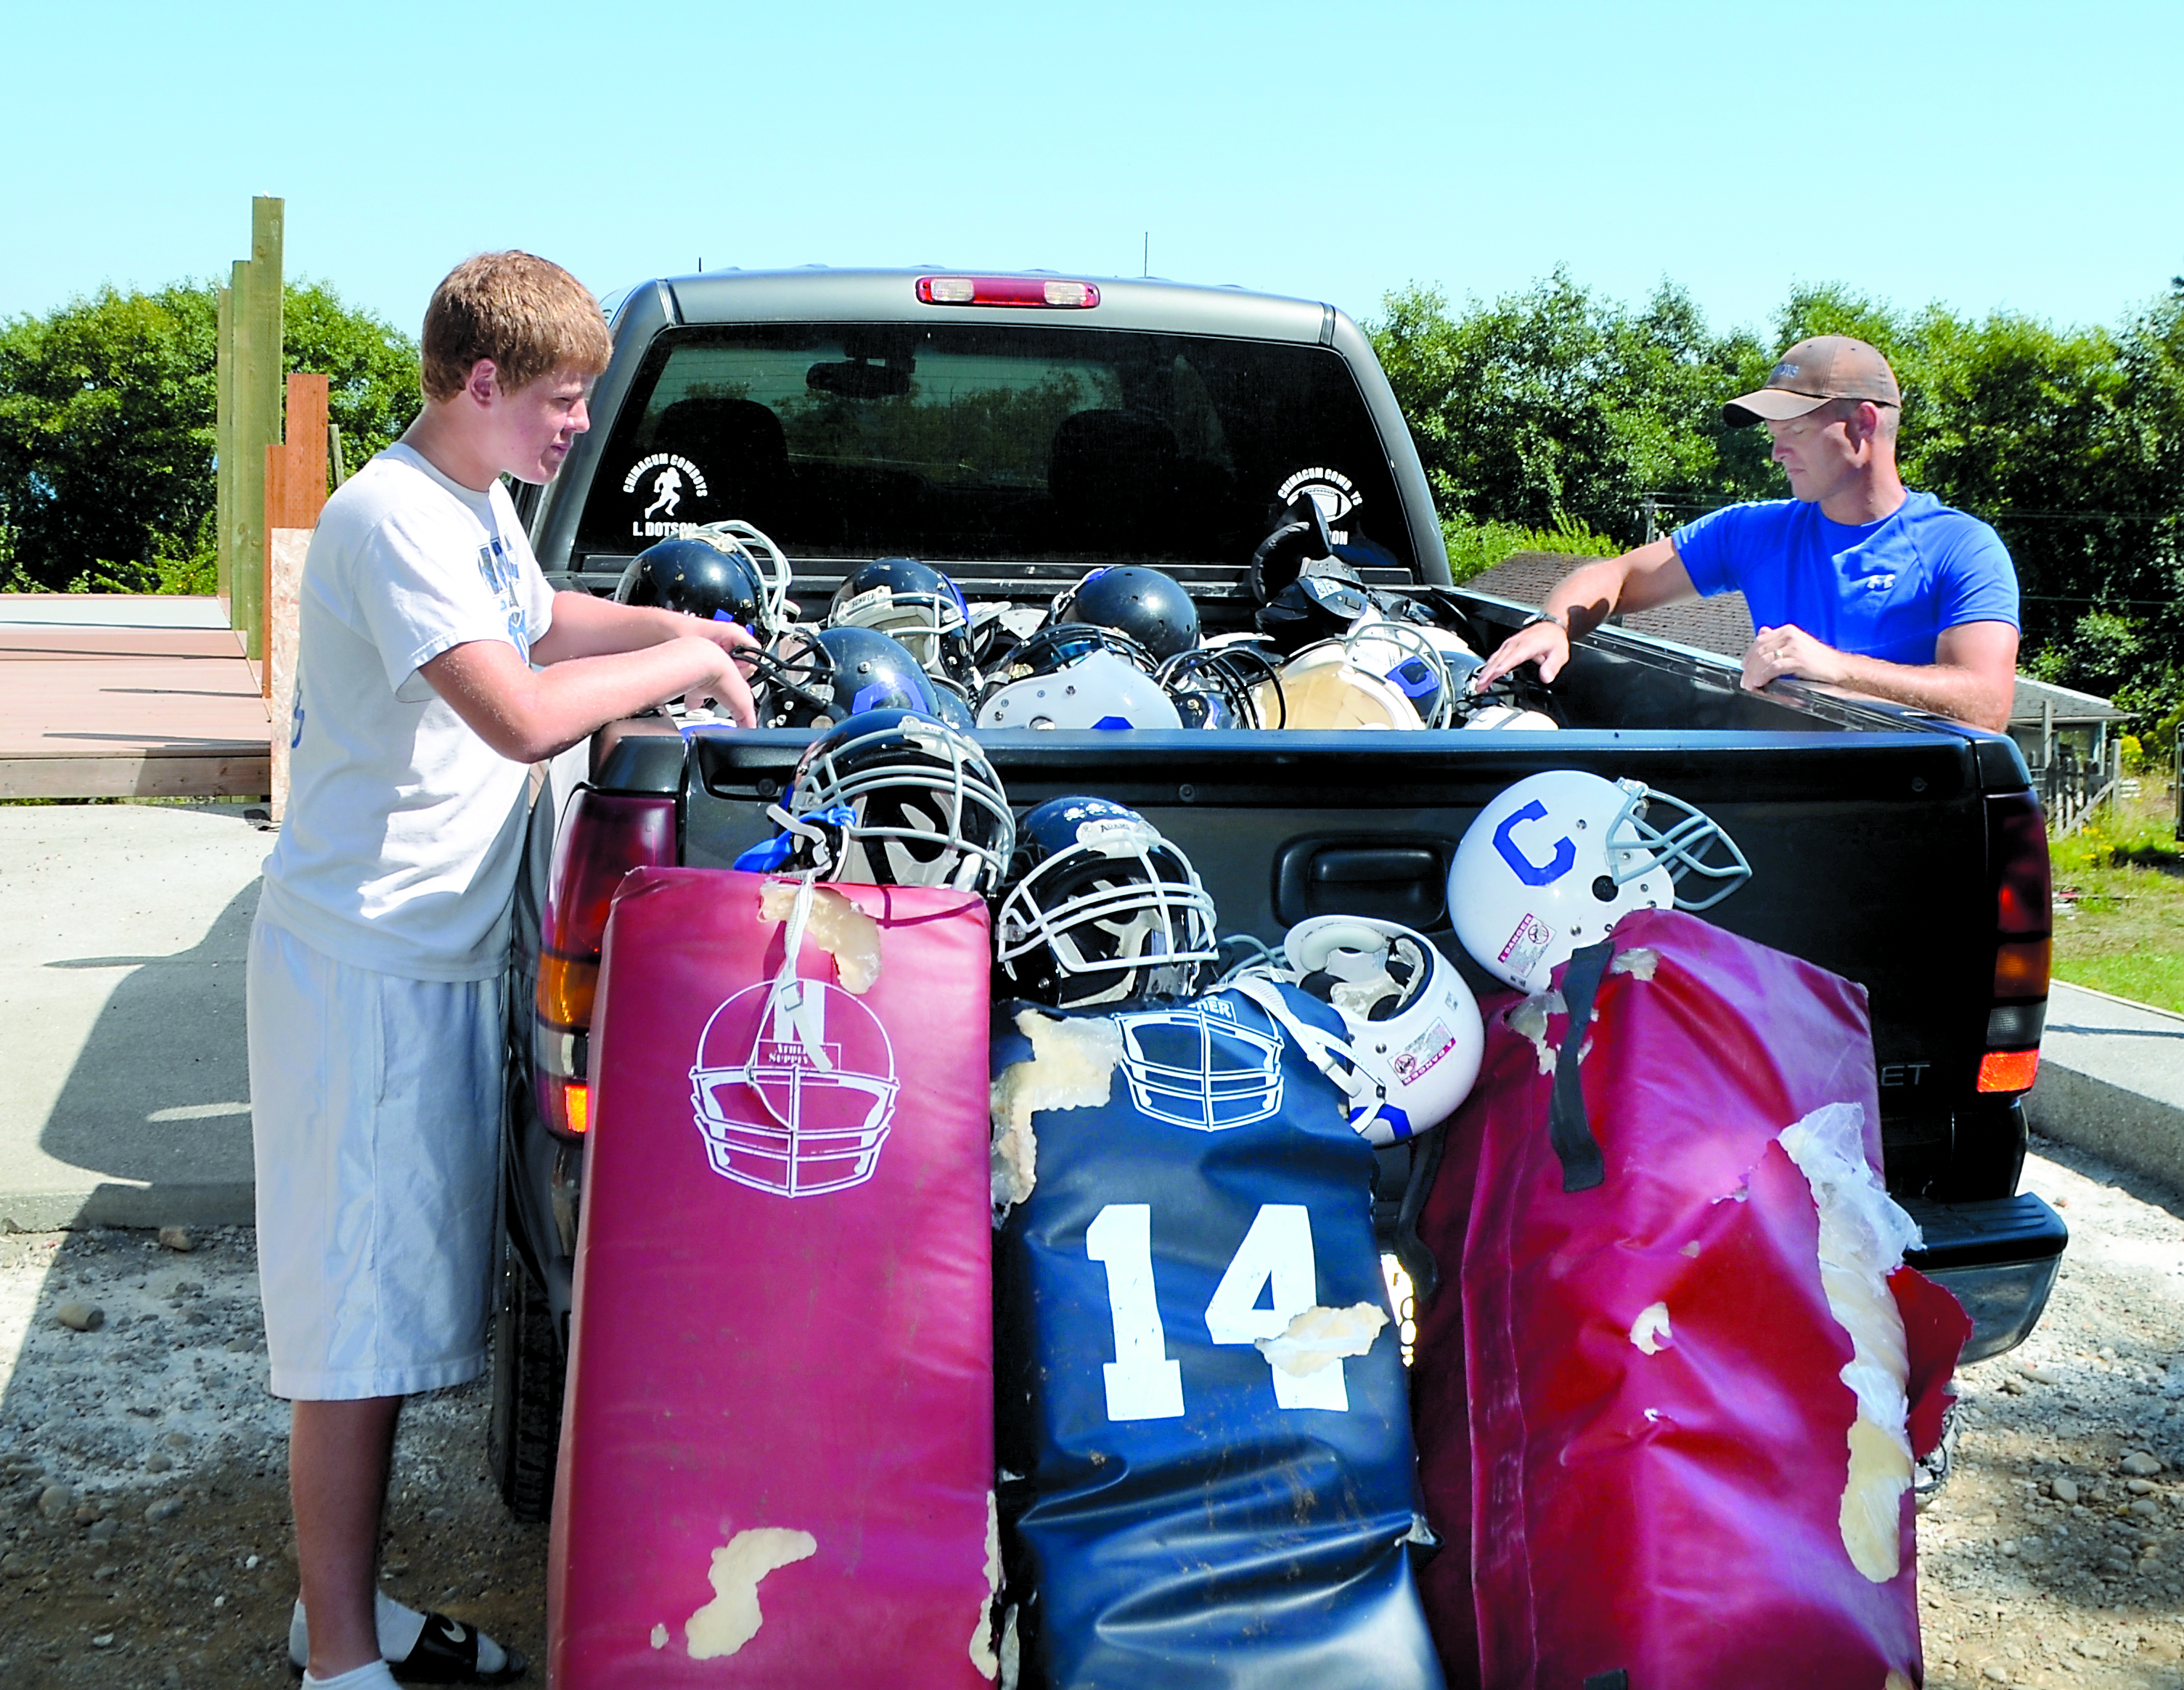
{"x": 1553, "y": 863}
{"x": 1199, "y": 1065}
{"x": 1225, "y": 685}
{"x": 816, "y": 678}
{"x": 1489, "y": 717}
{"x": 1322, "y": 688}
{"x": 1055, "y": 646}
{"x": 1151, "y": 607}
{"x": 1316, "y": 608}
{"x": 1414, "y": 1027}
{"x": 926, "y": 807}
{"x": 706, "y": 574}
{"x": 1402, "y": 654}
{"x": 1099, "y": 909}
{"x": 1097, "y": 689}
{"x": 794, "y": 1088}
{"x": 913, "y": 603}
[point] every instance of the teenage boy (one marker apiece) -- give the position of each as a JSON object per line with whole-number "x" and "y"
{"x": 1854, "y": 581}
{"x": 435, "y": 666}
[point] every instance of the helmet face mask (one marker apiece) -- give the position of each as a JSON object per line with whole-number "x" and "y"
{"x": 1226, "y": 686}
{"x": 1101, "y": 909}
{"x": 1554, "y": 862}
{"x": 927, "y": 807}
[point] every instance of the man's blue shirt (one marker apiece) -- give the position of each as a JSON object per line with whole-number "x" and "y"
{"x": 1883, "y": 589}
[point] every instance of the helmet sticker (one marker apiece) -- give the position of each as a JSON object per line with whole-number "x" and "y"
{"x": 1117, "y": 835}
{"x": 1559, "y": 863}
{"x": 1415, "y": 1059}
{"x": 671, "y": 478}
{"x": 1526, "y": 946}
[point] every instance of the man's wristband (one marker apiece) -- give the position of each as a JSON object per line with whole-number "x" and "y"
{"x": 1539, "y": 617}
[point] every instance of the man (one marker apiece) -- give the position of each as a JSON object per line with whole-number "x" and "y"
{"x": 1854, "y": 582}
{"x": 435, "y": 665}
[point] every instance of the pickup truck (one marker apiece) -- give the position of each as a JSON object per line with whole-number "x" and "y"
{"x": 1016, "y": 431}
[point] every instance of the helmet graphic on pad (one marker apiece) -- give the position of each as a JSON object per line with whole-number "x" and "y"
{"x": 1196, "y": 1065}
{"x": 1557, "y": 860}
{"x": 1099, "y": 909}
{"x": 927, "y": 808}
{"x": 1413, "y": 1024}
{"x": 794, "y": 1090}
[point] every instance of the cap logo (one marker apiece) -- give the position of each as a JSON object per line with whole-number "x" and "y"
{"x": 1783, "y": 372}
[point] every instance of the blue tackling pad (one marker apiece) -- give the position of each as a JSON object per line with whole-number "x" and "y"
{"x": 1179, "y": 1510}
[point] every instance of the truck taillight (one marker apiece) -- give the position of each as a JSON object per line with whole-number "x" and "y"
{"x": 2017, "y": 1009}
{"x": 604, "y": 836}
{"x": 1007, "y": 290}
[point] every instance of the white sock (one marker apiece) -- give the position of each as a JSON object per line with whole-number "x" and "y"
{"x": 372, "y": 1675}
{"x": 399, "y": 1627}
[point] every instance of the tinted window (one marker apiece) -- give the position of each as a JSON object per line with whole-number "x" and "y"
{"x": 977, "y": 443}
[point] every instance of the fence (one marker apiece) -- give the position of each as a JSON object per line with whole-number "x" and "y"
{"x": 2073, "y": 785}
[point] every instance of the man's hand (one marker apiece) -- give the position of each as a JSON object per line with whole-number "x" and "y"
{"x": 1545, "y": 644}
{"x": 1776, "y": 652}
{"x": 1972, "y": 679}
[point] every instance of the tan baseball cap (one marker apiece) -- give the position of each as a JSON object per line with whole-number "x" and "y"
{"x": 1828, "y": 366}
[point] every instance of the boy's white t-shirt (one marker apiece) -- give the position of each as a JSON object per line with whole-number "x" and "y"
{"x": 399, "y": 846}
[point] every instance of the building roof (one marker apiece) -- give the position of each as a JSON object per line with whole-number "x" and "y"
{"x": 2033, "y": 696}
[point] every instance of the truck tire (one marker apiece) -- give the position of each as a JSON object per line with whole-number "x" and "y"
{"x": 523, "y": 1435}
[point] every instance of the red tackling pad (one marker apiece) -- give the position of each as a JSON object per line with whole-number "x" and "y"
{"x": 1663, "y": 1514}
{"x": 776, "y": 1455}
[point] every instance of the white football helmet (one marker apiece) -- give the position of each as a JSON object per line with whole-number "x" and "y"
{"x": 1098, "y": 689}
{"x": 793, "y": 1088}
{"x": 1321, "y": 687}
{"x": 1414, "y": 1026}
{"x": 1557, "y": 860}
{"x": 1198, "y": 1065}
{"x": 1403, "y": 655}
{"x": 1503, "y": 718}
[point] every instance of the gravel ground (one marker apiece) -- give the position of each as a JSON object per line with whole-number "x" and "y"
{"x": 143, "y": 1514}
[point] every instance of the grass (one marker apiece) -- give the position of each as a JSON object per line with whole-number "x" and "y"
{"x": 2119, "y": 902}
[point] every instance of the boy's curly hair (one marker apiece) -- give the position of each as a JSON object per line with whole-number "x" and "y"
{"x": 529, "y": 315}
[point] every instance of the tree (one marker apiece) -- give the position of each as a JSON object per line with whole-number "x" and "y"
{"x": 107, "y": 413}
{"x": 1555, "y": 409}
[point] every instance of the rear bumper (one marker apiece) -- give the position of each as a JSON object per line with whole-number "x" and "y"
{"x": 1999, "y": 1258}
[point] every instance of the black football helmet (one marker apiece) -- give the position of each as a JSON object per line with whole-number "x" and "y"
{"x": 1311, "y": 609}
{"x": 1300, "y": 545}
{"x": 1235, "y": 685}
{"x": 815, "y": 679}
{"x": 1151, "y": 607}
{"x": 927, "y": 808}
{"x": 912, "y": 602}
{"x": 1099, "y": 909}
{"x": 710, "y": 577}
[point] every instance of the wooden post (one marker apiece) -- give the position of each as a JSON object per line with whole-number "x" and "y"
{"x": 295, "y": 494}
{"x": 256, "y": 409}
{"x": 223, "y": 452}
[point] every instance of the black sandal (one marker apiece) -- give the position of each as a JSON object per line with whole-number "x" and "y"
{"x": 446, "y": 1653}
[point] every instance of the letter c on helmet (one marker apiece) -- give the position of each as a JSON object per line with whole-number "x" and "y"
{"x": 1531, "y": 873}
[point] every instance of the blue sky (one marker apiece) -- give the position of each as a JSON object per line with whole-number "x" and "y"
{"x": 1996, "y": 155}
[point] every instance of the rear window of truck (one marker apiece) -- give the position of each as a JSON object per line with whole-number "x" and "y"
{"x": 986, "y": 443}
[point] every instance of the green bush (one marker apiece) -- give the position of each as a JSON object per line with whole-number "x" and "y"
{"x": 1475, "y": 548}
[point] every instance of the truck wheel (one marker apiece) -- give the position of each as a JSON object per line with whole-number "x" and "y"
{"x": 524, "y": 1434}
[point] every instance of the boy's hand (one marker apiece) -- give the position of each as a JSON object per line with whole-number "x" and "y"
{"x": 725, "y": 684}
